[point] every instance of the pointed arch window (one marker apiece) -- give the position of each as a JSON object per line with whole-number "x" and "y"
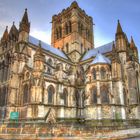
{"x": 80, "y": 27}
{"x": 50, "y": 94}
{"x": 70, "y": 27}
{"x": 124, "y": 97}
{"x": 2, "y": 75}
{"x": 94, "y": 95}
{"x": 25, "y": 94}
{"x": 104, "y": 95}
{"x": 103, "y": 73}
{"x": 60, "y": 32}
{"x": 66, "y": 29}
{"x": 94, "y": 74}
{"x": 50, "y": 61}
{"x": 3, "y": 95}
{"x": 65, "y": 97}
{"x": 87, "y": 34}
{"x": 57, "y": 34}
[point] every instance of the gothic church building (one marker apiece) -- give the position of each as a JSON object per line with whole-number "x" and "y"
{"x": 69, "y": 78}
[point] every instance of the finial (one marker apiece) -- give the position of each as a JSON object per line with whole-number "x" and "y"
{"x": 13, "y": 22}
{"x": 6, "y": 27}
{"x": 26, "y": 9}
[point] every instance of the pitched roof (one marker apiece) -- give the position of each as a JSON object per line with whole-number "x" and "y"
{"x": 101, "y": 59}
{"x": 102, "y": 49}
{"x": 47, "y": 47}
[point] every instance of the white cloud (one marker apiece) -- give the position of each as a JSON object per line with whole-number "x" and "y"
{"x": 41, "y": 35}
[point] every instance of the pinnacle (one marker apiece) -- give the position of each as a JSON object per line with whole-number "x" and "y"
{"x": 5, "y": 34}
{"x": 132, "y": 44}
{"x": 25, "y": 17}
{"x": 24, "y": 24}
{"x": 119, "y": 28}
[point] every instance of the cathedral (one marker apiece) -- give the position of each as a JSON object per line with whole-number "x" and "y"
{"x": 70, "y": 78}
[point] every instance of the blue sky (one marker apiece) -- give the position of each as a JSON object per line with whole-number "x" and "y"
{"x": 105, "y": 14}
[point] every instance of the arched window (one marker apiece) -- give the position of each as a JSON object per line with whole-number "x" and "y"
{"x": 70, "y": 27}
{"x": 94, "y": 95}
{"x": 67, "y": 48}
{"x": 50, "y": 61}
{"x": 57, "y": 34}
{"x": 65, "y": 97}
{"x": 60, "y": 32}
{"x": 3, "y": 95}
{"x": 5, "y": 73}
{"x": 103, "y": 73}
{"x": 66, "y": 29}
{"x": 49, "y": 70}
{"x": 94, "y": 74}
{"x": 80, "y": 28}
{"x": 104, "y": 95}
{"x": 125, "y": 99}
{"x": 50, "y": 94}
{"x": 25, "y": 94}
{"x": 2, "y": 75}
{"x": 87, "y": 33}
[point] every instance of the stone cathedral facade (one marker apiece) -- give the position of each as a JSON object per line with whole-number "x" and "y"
{"x": 69, "y": 78}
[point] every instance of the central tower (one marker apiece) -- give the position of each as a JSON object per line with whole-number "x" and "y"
{"x": 72, "y": 32}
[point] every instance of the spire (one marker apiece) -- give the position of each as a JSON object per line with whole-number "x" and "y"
{"x": 24, "y": 24}
{"x": 119, "y": 28}
{"x": 132, "y": 44}
{"x": 25, "y": 17}
{"x": 5, "y": 34}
